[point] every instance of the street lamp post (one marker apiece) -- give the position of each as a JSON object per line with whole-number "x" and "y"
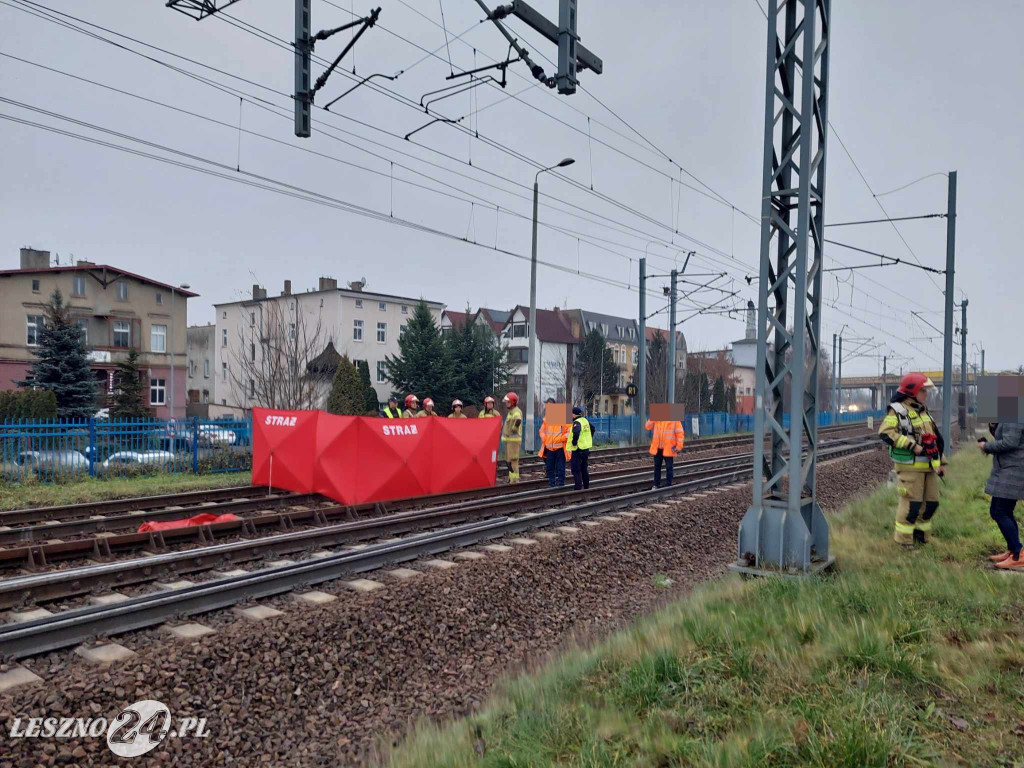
{"x": 170, "y": 342}
{"x": 530, "y": 364}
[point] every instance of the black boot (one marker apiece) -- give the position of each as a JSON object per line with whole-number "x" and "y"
{"x": 919, "y": 537}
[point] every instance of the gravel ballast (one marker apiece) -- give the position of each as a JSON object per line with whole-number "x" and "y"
{"x": 319, "y": 684}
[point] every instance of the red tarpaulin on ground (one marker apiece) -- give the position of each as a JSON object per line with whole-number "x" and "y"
{"x": 202, "y": 519}
{"x": 356, "y": 459}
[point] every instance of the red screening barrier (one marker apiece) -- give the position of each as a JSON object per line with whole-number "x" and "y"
{"x": 356, "y": 459}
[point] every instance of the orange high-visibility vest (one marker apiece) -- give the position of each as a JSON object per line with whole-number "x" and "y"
{"x": 553, "y": 438}
{"x": 668, "y": 437}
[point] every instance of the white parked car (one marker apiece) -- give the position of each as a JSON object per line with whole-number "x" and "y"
{"x": 137, "y": 459}
{"x": 54, "y": 461}
{"x": 210, "y": 434}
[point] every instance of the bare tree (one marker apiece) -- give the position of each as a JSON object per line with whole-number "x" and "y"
{"x": 271, "y": 362}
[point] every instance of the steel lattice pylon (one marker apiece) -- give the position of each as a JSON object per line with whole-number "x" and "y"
{"x": 784, "y": 528}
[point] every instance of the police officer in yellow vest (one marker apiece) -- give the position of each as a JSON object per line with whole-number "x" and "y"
{"x": 580, "y": 442}
{"x": 392, "y": 411}
{"x": 512, "y": 435}
{"x": 916, "y": 448}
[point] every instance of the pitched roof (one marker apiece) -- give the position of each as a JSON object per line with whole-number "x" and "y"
{"x": 552, "y": 327}
{"x": 458, "y": 319}
{"x": 99, "y": 268}
{"x": 496, "y": 318}
{"x": 326, "y": 362}
{"x": 613, "y": 323}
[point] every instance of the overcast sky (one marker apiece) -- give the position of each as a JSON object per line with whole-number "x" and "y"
{"x": 917, "y": 88}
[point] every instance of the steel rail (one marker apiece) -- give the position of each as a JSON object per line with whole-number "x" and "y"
{"x": 34, "y": 555}
{"x": 54, "y": 585}
{"x": 81, "y": 625}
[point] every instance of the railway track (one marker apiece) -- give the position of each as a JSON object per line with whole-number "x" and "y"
{"x": 534, "y": 464}
{"x": 285, "y": 513}
{"x": 480, "y": 522}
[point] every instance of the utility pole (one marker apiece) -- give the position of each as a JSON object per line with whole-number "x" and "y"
{"x": 641, "y": 358}
{"x": 963, "y": 370}
{"x": 671, "y": 385}
{"x": 531, "y": 366}
{"x": 982, "y": 361}
{"x": 303, "y": 79}
{"x": 885, "y": 383}
{"x": 839, "y": 384}
{"x": 947, "y": 347}
{"x": 784, "y": 528}
{"x": 835, "y": 397}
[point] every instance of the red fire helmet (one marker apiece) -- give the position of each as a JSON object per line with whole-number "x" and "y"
{"x": 513, "y": 399}
{"x": 912, "y": 384}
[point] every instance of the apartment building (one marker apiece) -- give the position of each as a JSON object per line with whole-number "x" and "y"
{"x": 267, "y": 342}
{"x": 117, "y": 311}
{"x": 555, "y": 354}
{"x": 621, "y": 335}
{"x": 201, "y": 381}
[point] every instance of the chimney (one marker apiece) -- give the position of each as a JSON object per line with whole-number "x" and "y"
{"x": 751, "y": 323}
{"x": 287, "y": 288}
{"x": 258, "y": 293}
{"x": 85, "y": 263}
{"x": 357, "y": 285}
{"x": 33, "y": 259}
{"x": 328, "y": 284}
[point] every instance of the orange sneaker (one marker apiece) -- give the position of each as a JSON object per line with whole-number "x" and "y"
{"x": 1012, "y": 563}
{"x": 1000, "y": 557}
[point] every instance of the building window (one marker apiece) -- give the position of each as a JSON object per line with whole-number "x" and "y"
{"x": 78, "y": 285}
{"x": 252, "y": 319}
{"x": 206, "y": 369}
{"x": 34, "y": 328}
{"x": 357, "y": 330}
{"x": 252, "y": 388}
{"x": 35, "y": 286}
{"x": 122, "y": 290}
{"x": 401, "y": 331}
{"x": 224, "y": 337}
{"x": 158, "y": 338}
{"x": 159, "y": 298}
{"x": 382, "y": 306}
{"x": 519, "y": 331}
{"x": 252, "y": 351}
{"x": 381, "y": 373}
{"x": 634, "y": 355}
{"x": 206, "y": 396}
{"x": 359, "y": 303}
{"x": 291, "y": 331}
{"x": 405, "y": 309}
{"x": 519, "y": 355}
{"x": 157, "y": 392}
{"x": 122, "y": 334}
{"x": 224, "y": 315}
{"x": 83, "y": 327}
{"x": 224, "y": 371}
{"x": 382, "y": 333}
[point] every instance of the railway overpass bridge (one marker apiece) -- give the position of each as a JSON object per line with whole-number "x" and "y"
{"x": 882, "y": 389}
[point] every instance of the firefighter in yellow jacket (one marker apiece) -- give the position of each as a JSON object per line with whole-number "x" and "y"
{"x": 667, "y": 440}
{"x": 916, "y": 449}
{"x": 512, "y": 435}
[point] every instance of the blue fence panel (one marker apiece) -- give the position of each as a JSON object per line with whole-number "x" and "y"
{"x": 56, "y": 450}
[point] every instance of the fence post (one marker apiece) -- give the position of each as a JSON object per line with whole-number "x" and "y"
{"x": 92, "y": 447}
{"x": 195, "y": 445}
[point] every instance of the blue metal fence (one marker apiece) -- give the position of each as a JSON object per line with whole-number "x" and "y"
{"x": 67, "y": 449}
{"x": 55, "y": 450}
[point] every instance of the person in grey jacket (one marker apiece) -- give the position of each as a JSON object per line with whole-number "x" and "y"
{"x": 1005, "y": 485}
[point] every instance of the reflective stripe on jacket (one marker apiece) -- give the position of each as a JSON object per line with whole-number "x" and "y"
{"x": 389, "y": 414}
{"x": 584, "y": 440}
{"x": 512, "y": 429}
{"x": 668, "y": 437}
{"x": 553, "y": 438}
{"x": 901, "y": 430}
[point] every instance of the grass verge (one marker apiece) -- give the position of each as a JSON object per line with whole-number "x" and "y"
{"x": 36, "y": 494}
{"x": 895, "y": 659}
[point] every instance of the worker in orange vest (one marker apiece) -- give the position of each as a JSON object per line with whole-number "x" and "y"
{"x": 666, "y": 442}
{"x": 553, "y": 440}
